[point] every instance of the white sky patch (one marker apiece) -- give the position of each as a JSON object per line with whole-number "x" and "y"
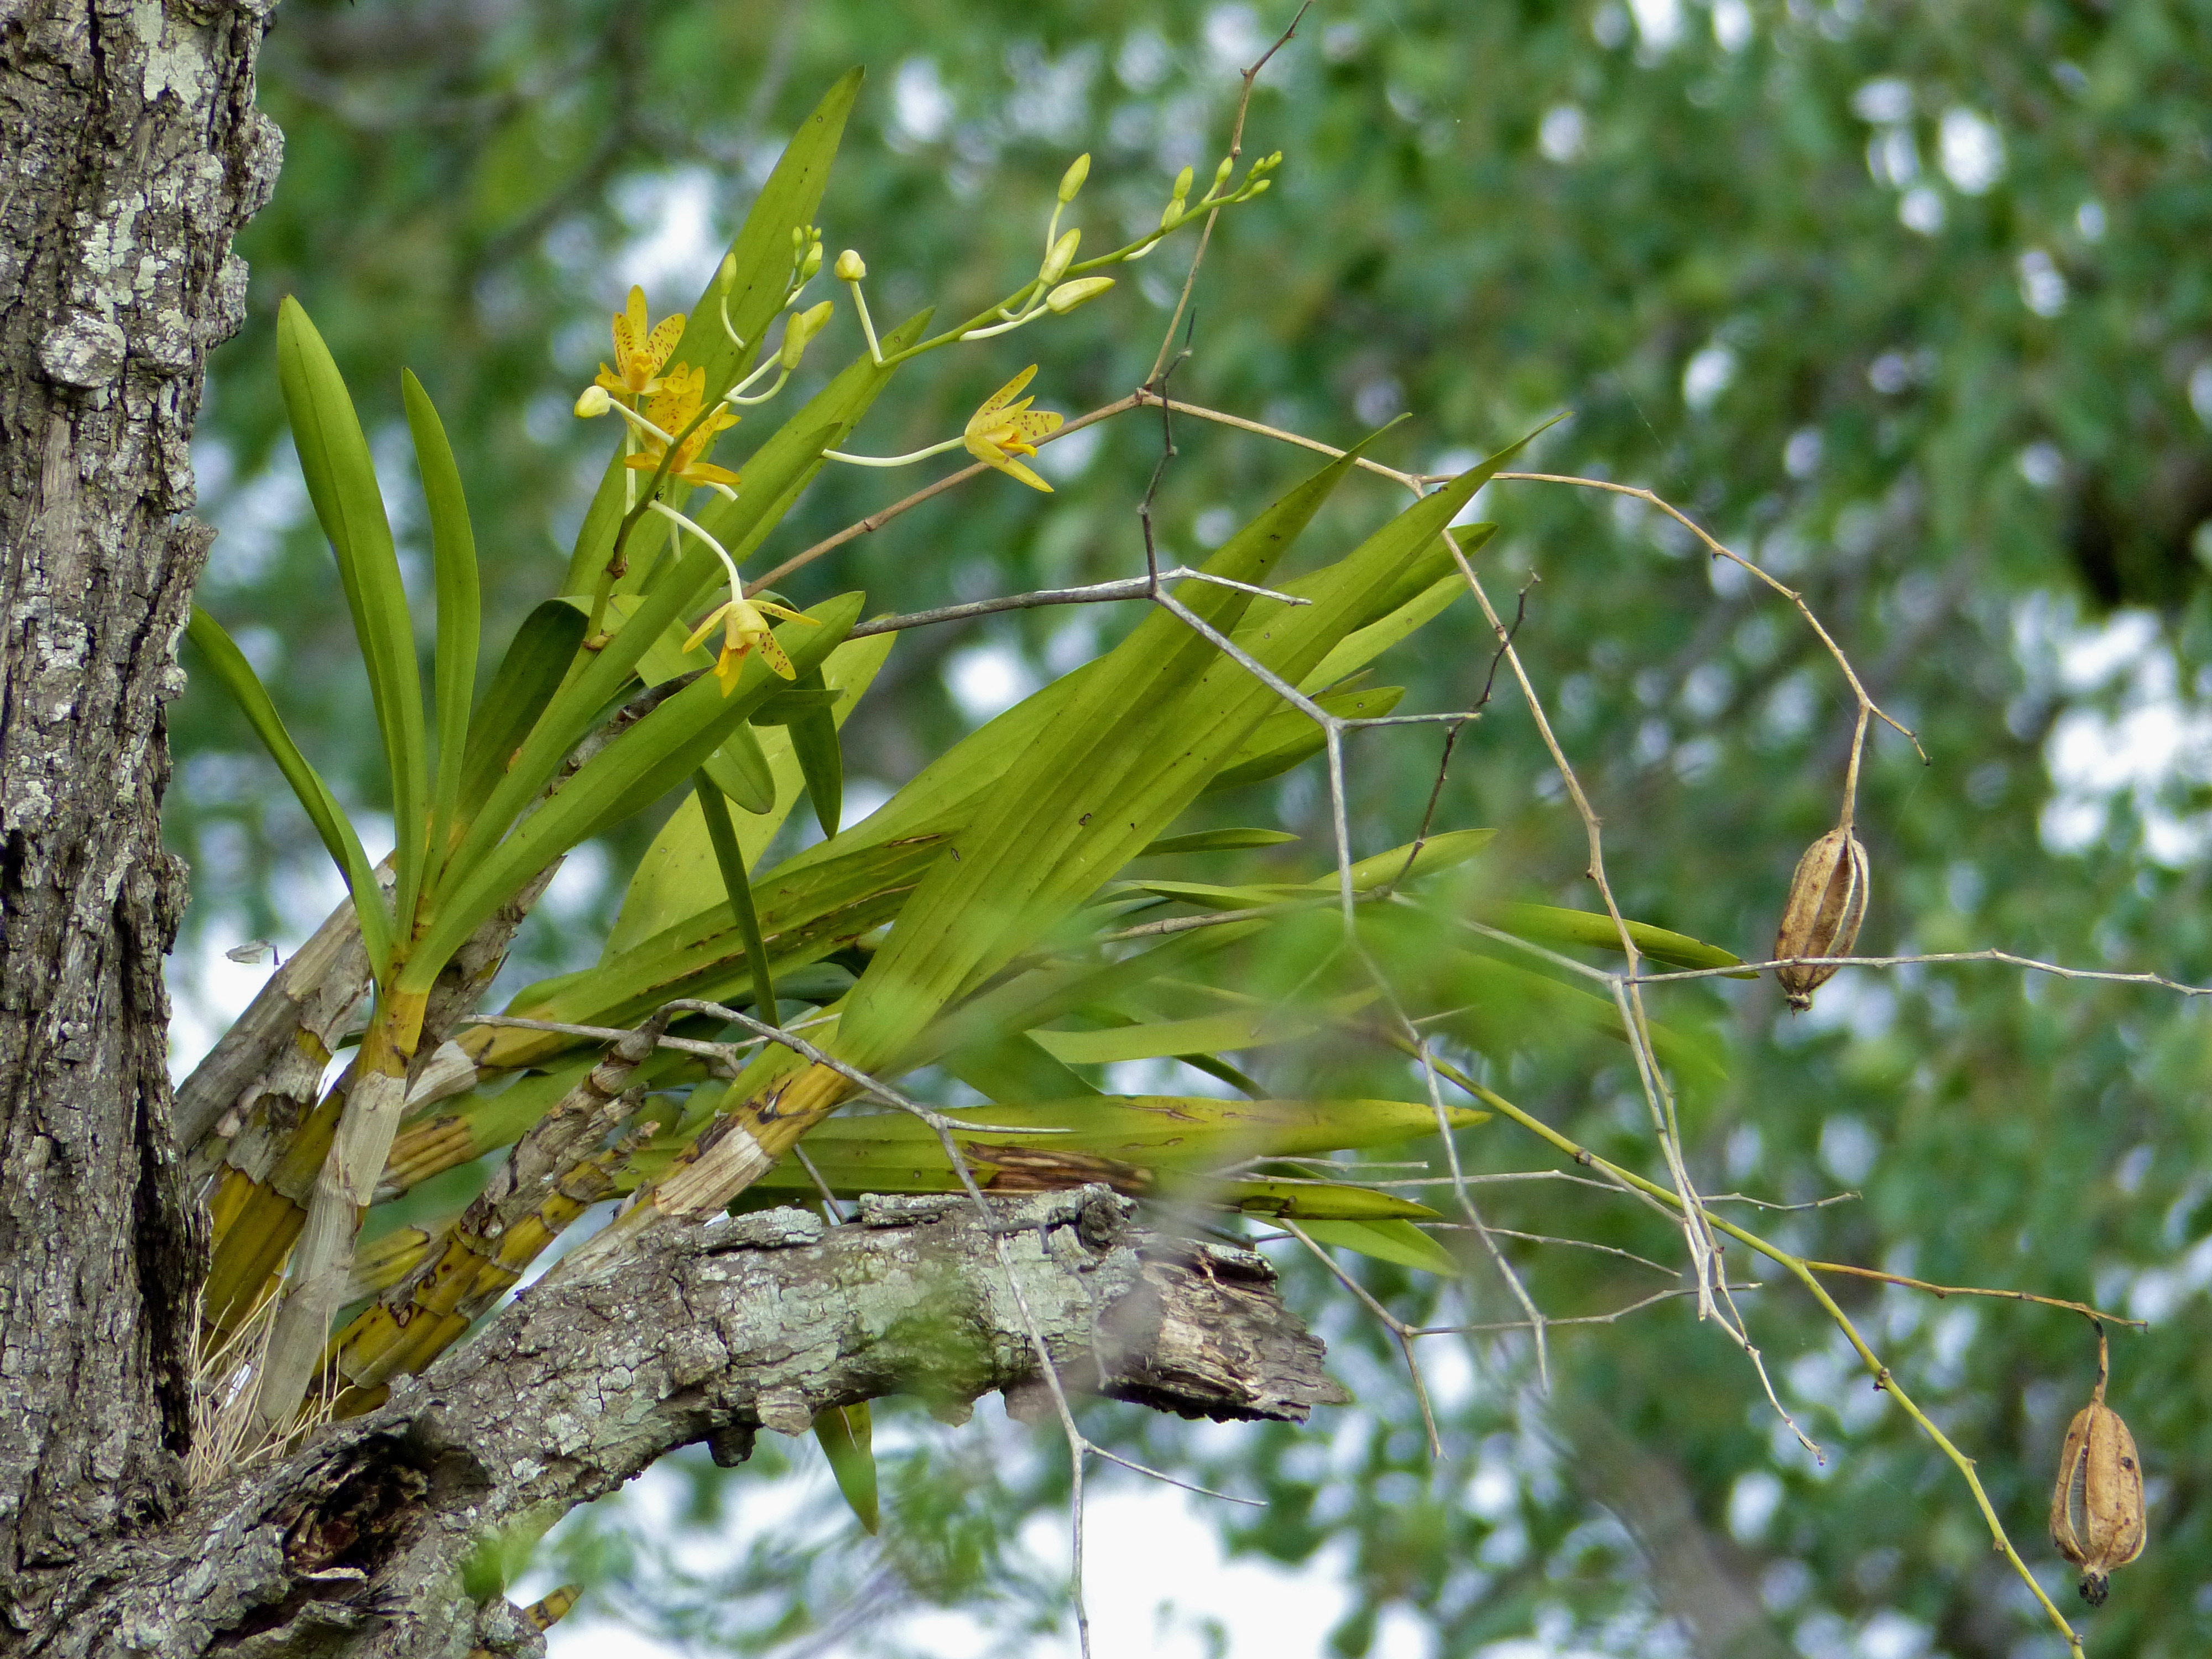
{"x": 2130, "y": 738}
{"x": 2042, "y": 284}
{"x": 1732, "y": 24}
{"x": 577, "y": 886}
{"x": 1972, "y": 150}
{"x": 1857, "y": 1001}
{"x": 1892, "y": 157}
{"x": 988, "y": 680}
{"x": 676, "y": 246}
{"x": 1706, "y": 375}
{"x": 1751, "y": 1503}
{"x": 861, "y": 798}
{"x": 1144, "y": 60}
{"x": 1658, "y": 22}
{"x": 1883, "y": 100}
{"x": 1066, "y": 459}
{"x": 250, "y": 515}
{"x": 2041, "y": 463}
{"x": 1158, "y": 1580}
{"x": 1563, "y": 133}
{"x": 1890, "y": 1634}
{"x": 2200, "y": 392}
{"x": 921, "y": 104}
{"x": 1920, "y": 210}
{"x": 1235, "y": 38}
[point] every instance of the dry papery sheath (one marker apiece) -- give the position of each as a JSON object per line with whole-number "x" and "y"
{"x": 2097, "y": 1508}
{"x": 1827, "y": 901}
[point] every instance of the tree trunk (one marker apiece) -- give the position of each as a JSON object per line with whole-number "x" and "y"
{"x": 132, "y": 154}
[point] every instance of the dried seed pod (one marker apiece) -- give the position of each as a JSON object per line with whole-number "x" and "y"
{"x": 2097, "y": 1508}
{"x": 1827, "y": 901}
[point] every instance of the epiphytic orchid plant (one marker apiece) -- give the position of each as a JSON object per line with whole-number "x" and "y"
{"x": 701, "y": 1063}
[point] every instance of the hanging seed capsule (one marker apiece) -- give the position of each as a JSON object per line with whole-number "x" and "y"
{"x": 1827, "y": 901}
{"x": 2097, "y": 1507}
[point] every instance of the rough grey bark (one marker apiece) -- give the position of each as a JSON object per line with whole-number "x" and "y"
{"x": 359, "y": 1546}
{"x": 130, "y": 154}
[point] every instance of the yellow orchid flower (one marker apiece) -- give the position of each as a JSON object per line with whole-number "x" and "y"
{"x": 638, "y": 351}
{"x": 1002, "y": 429}
{"x": 744, "y": 630}
{"x": 674, "y": 407}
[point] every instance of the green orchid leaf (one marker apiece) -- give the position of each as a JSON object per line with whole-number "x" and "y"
{"x": 845, "y": 1434}
{"x": 791, "y": 704}
{"x": 1015, "y": 1066}
{"x": 1504, "y": 1007}
{"x": 674, "y": 879}
{"x": 821, "y": 762}
{"x": 1548, "y": 924}
{"x": 528, "y": 676}
{"x": 1412, "y": 862}
{"x": 1216, "y": 841}
{"x": 1289, "y": 737}
{"x": 341, "y": 483}
{"x": 1301, "y": 1200}
{"x": 639, "y": 767}
{"x": 1142, "y": 734}
{"x": 1141, "y": 1139}
{"x": 453, "y": 557}
{"x": 741, "y": 770}
{"x": 1400, "y": 1242}
{"x": 1252, "y": 1027}
{"x": 230, "y": 667}
{"x": 726, "y": 853}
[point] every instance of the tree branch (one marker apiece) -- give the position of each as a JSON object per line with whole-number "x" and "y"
{"x": 357, "y": 1546}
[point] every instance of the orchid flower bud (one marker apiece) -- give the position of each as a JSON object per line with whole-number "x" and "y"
{"x": 1068, "y": 295}
{"x": 811, "y": 262}
{"x": 1071, "y": 180}
{"x": 799, "y": 332}
{"x": 1062, "y": 255}
{"x": 728, "y": 273}
{"x": 851, "y": 267}
{"x": 593, "y": 401}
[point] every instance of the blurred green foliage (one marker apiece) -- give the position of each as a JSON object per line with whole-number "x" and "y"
{"x": 1909, "y": 303}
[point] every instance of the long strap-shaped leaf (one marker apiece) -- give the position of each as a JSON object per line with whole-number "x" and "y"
{"x": 453, "y": 556}
{"x": 644, "y": 763}
{"x": 731, "y": 858}
{"x": 341, "y": 483}
{"x": 535, "y": 662}
{"x": 323, "y": 811}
